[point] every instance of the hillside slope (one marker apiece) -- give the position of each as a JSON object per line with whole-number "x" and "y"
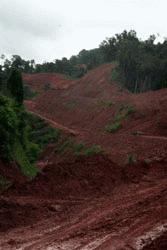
{"x": 92, "y": 103}
{"x": 93, "y": 202}
{"x": 41, "y": 82}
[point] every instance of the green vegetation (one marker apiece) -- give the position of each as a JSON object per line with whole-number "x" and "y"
{"x": 4, "y": 183}
{"x": 13, "y": 135}
{"x": 122, "y": 114}
{"x": 23, "y": 161}
{"x": 15, "y": 86}
{"x": 39, "y": 135}
{"x": 105, "y": 103}
{"x": 9, "y": 124}
{"x": 93, "y": 150}
{"x": 24, "y": 136}
{"x": 131, "y": 159}
{"x": 115, "y": 75}
{"x": 141, "y": 64}
{"x": 114, "y": 127}
{"x": 13, "y": 124}
{"x": 28, "y": 93}
{"x": 70, "y": 146}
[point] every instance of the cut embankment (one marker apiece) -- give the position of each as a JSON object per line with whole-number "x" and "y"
{"x": 75, "y": 176}
{"x": 88, "y": 202}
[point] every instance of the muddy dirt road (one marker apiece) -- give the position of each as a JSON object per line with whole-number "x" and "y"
{"x": 126, "y": 218}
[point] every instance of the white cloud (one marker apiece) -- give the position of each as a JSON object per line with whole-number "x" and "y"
{"x": 49, "y": 29}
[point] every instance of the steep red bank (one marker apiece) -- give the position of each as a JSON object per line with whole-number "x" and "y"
{"x": 91, "y": 104}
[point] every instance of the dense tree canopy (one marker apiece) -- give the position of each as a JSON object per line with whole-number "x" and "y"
{"x": 142, "y": 65}
{"x": 15, "y": 85}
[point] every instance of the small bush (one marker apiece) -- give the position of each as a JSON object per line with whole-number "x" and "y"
{"x": 115, "y": 75}
{"x": 65, "y": 146}
{"x": 131, "y": 159}
{"x": 93, "y": 150}
{"x": 33, "y": 152}
{"x": 112, "y": 128}
{"x": 122, "y": 114}
{"x": 78, "y": 148}
{"x": 9, "y": 126}
{"x": 105, "y": 103}
{"x": 130, "y": 109}
{"x": 29, "y": 93}
{"x": 21, "y": 158}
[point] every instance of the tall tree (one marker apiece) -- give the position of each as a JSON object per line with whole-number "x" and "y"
{"x": 15, "y": 85}
{"x": 1, "y": 78}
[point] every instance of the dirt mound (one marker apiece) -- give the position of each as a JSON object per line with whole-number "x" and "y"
{"x": 74, "y": 177}
{"x": 11, "y": 172}
{"x": 83, "y": 176}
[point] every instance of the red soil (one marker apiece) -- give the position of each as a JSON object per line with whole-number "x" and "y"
{"x": 93, "y": 203}
{"x": 83, "y": 108}
{"x": 40, "y": 81}
{"x": 86, "y": 203}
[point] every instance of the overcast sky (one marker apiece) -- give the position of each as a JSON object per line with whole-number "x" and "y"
{"x": 50, "y": 29}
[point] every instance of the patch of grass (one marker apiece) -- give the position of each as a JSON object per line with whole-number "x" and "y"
{"x": 105, "y": 103}
{"x": 131, "y": 159}
{"x": 40, "y": 134}
{"x": 78, "y": 148}
{"x": 26, "y": 167}
{"x": 130, "y": 109}
{"x": 65, "y": 146}
{"x": 123, "y": 113}
{"x": 115, "y": 75}
{"x": 114, "y": 127}
{"x": 69, "y": 145}
{"x": 93, "y": 150}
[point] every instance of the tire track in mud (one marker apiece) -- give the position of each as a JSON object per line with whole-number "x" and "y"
{"x": 114, "y": 221}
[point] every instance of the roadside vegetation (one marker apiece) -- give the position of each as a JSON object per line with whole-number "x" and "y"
{"x": 23, "y": 135}
{"x": 69, "y": 145}
{"x": 122, "y": 114}
{"x": 105, "y": 103}
{"x": 13, "y": 124}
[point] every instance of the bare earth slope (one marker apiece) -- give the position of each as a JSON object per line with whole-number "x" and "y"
{"x": 98, "y": 202}
{"x": 94, "y": 101}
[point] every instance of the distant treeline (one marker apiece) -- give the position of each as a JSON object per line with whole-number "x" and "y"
{"x": 140, "y": 65}
{"x": 74, "y": 67}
